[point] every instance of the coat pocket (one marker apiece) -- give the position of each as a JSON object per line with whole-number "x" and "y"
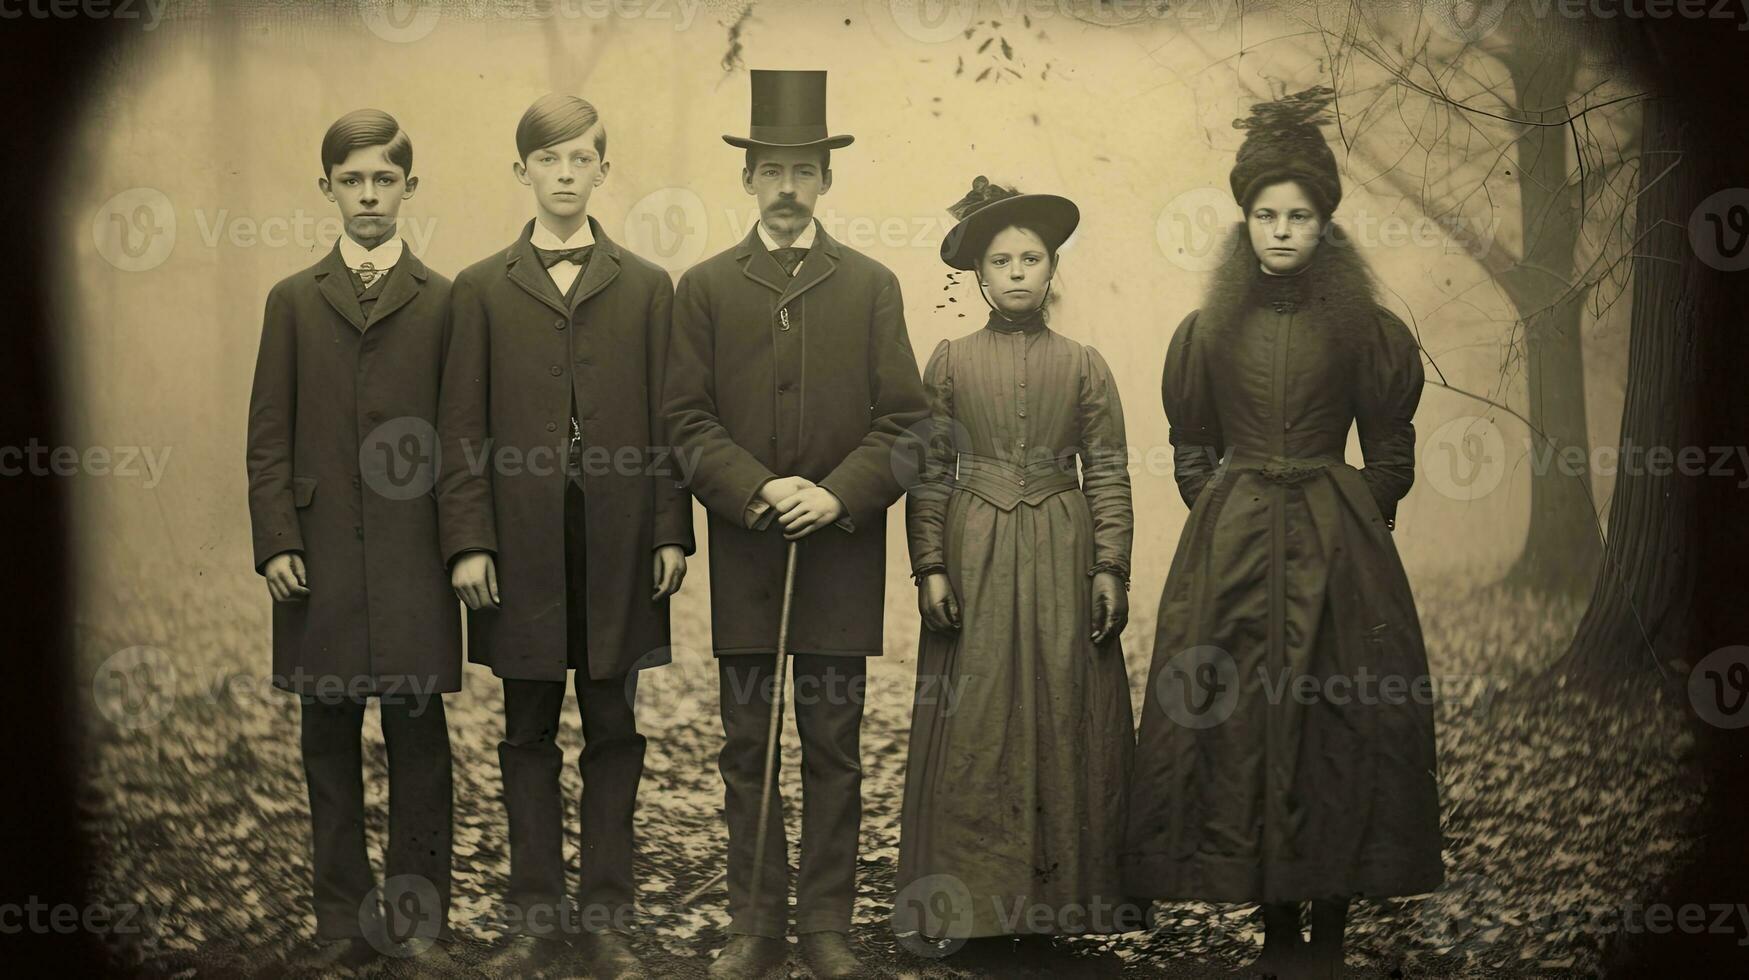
{"x": 303, "y": 490}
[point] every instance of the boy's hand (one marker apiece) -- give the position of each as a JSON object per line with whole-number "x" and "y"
{"x": 784, "y": 487}
{"x": 670, "y": 571}
{"x": 1111, "y": 606}
{"x": 807, "y": 511}
{"x": 285, "y": 577}
{"x": 475, "y": 580}
{"x": 936, "y": 601}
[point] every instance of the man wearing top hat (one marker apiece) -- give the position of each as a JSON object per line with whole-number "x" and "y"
{"x": 790, "y": 379}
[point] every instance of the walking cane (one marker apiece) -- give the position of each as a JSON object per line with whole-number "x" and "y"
{"x": 769, "y": 786}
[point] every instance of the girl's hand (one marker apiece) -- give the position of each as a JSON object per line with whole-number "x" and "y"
{"x": 936, "y": 601}
{"x": 1111, "y": 606}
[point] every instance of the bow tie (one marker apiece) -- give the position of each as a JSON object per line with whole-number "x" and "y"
{"x": 789, "y": 258}
{"x": 550, "y": 257}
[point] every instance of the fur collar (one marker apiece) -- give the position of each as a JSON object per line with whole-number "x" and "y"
{"x": 1336, "y": 291}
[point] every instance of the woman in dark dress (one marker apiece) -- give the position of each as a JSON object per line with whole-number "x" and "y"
{"x": 1022, "y": 732}
{"x": 1286, "y": 749}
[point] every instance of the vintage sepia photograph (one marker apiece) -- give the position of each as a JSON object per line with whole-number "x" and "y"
{"x": 877, "y": 488}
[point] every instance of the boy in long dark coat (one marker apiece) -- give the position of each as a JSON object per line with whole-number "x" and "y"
{"x": 340, "y": 446}
{"x": 790, "y": 380}
{"x": 564, "y": 521}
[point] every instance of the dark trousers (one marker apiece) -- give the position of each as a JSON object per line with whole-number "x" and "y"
{"x": 416, "y": 887}
{"x": 612, "y": 763}
{"x": 827, "y": 698}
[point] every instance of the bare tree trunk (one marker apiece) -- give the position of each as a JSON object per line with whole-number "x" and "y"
{"x": 1561, "y": 548}
{"x": 1639, "y": 608}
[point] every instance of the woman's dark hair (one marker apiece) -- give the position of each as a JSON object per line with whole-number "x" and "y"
{"x": 362, "y": 128}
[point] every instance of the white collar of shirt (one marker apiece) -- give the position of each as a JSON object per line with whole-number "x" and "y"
{"x": 804, "y": 240}
{"x": 544, "y": 238}
{"x": 384, "y": 256}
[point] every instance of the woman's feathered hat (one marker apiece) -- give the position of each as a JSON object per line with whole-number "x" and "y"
{"x": 1283, "y": 142}
{"x": 989, "y": 207}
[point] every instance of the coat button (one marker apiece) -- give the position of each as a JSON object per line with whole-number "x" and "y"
{"x": 1023, "y": 483}
{"x": 555, "y": 370}
{"x": 1023, "y": 384}
{"x": 1023, "y": 413}
{"x": 552, "y": 426}
{"x": 358, "y": 529}
{"x": 558, "y": 324}
{"x": 355, "y": 481}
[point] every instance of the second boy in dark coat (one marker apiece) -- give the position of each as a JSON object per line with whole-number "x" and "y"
{"x": 563, "y": 515}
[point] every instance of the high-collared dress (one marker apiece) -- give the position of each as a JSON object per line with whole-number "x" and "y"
{"x": 1286, "y": 747}
{"x": 1021, "y": 731}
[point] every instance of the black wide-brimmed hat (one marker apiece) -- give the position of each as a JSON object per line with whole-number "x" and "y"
{"x": 988, "y": 208}
{"x": 789, "y": 110}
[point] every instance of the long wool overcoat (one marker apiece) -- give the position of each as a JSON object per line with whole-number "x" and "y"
{"x": 521, "y": 353}
{"x": 1286, "y": 748}
{"x": 809, "y": 376}
{"x": 340, "y": 445}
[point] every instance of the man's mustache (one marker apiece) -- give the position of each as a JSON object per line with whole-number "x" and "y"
{"x": 782, "y": 207}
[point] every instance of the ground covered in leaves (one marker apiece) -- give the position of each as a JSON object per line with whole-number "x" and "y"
{"x": 1561, "y": 807}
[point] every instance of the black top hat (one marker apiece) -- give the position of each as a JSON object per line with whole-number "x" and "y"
{"x": 789, "y": 109}
{"x": 988, "y": 208}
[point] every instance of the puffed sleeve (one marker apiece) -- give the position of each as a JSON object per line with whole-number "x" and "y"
{"x": 1387, "y": 391}
{"x": 1105, "y": 474}
{"x": 933, "y": 448}
{"x": 1195, "y": 425}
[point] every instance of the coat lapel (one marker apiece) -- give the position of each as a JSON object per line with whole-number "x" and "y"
{"x": 405, "y": 279}
{"x": 335, "y": 285}
{"x": 602, "y": 269}
{"x": 524, "y": 268}
{"x": 821, "y": 262}
{"x": 758, "y": 265}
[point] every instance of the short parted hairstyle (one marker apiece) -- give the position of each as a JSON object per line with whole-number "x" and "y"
{"x": 754, "y": 151}
{"x": 554, "y": 119}
{"x": 362, "y": 128}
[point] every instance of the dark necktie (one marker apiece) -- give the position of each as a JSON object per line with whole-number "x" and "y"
{"x": 789, "y": 258}
{"x": 550, "y": 257}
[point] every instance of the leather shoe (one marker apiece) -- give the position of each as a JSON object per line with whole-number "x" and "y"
{"x": 521, "y": 956}
{"x": 749, "y": 958}
{"x": 829, "y": 956}
{"x": 611, "y": 956}
{"x": 330, "y": 956}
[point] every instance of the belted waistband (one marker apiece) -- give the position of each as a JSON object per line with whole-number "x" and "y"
{"x": 1278, "y": 468}
{"x": 1006, "y": 483}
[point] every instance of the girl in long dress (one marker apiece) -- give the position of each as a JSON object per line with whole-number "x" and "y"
{"x": 1286, "y": 749}
{"x": 1022, "y": 731}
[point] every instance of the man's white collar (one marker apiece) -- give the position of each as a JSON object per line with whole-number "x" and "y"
{"x": 544, "y": 238}
{"x": 384, "y": 256}
{"x": 804, "y": 240}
